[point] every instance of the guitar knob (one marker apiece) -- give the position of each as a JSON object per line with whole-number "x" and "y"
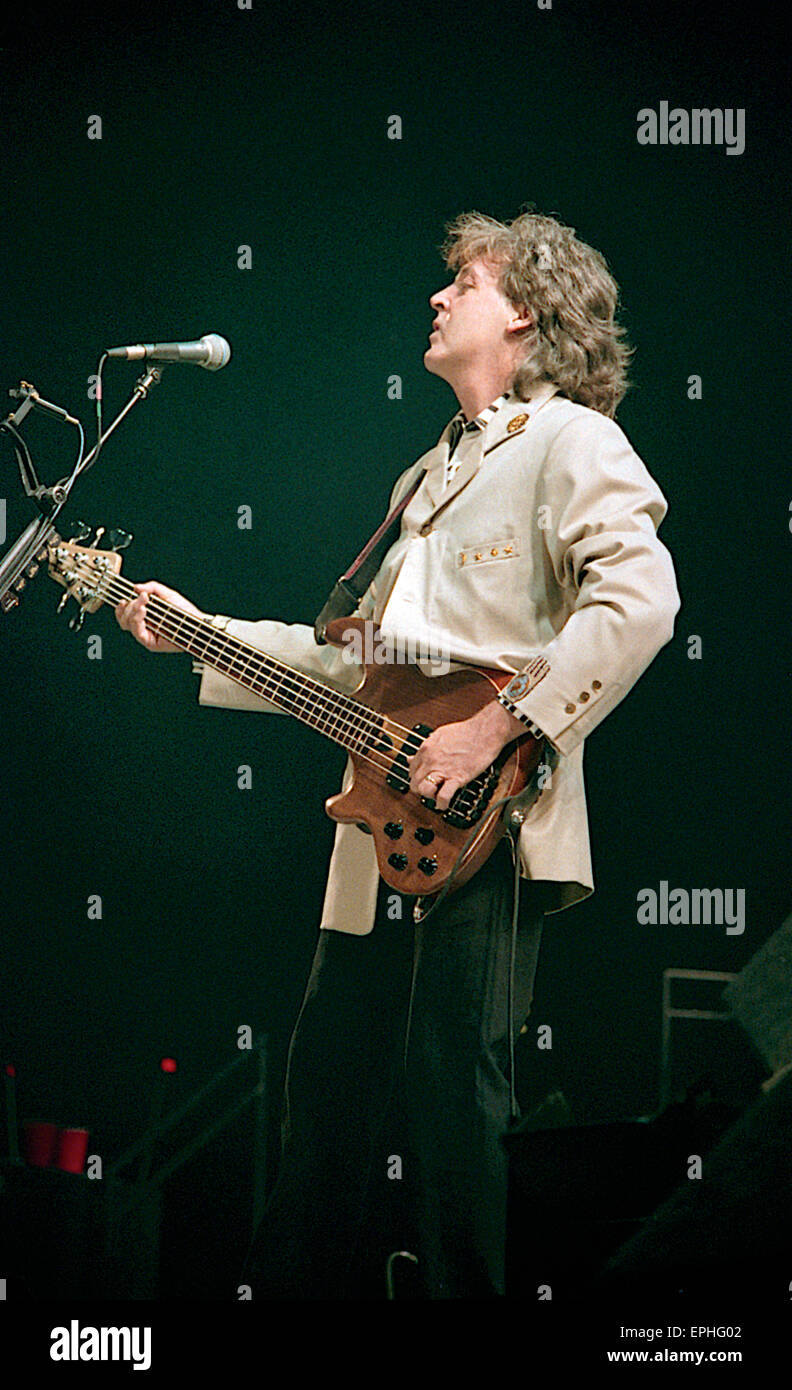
{"x": 397, "y": 861}
{"x": 428, "y": 866}
{"x": 393, "y": 829}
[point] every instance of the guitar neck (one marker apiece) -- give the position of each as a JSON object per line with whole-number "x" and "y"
{"x": 320, "y": 706}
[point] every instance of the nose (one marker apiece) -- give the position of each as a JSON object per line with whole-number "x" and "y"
{"x": 439, "y": 300}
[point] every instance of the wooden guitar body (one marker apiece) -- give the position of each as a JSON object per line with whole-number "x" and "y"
{"x": 417, "y": 846}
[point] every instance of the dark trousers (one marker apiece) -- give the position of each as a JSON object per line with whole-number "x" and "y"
{"x": 365, "y": 1115}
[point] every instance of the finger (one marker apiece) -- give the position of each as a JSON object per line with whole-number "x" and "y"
{"x": 426, "y": 783}
{"x": 427, "y": 774}
{"x": 137, "y": 623}
{"x": 126, "y": 614}
{"x": 446, "y": 794}
{"x": 126, "y": 608}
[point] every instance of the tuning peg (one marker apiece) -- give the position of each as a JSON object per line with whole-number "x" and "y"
{"x": 64, "y": 600}
{"x": 119, "y": 540}
{"x": 79, "y": 531}
{"x": 77, "y": 621}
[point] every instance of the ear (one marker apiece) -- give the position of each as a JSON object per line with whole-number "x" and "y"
{"x": 523, "y": 320}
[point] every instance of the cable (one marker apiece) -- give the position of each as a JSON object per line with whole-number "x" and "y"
{"x": 68, "y": 482}
{"x": 99, "y": 394}
{"x": 514, "y": 831}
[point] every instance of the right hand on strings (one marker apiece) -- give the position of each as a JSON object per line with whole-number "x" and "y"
{"x": 131, "y": 615}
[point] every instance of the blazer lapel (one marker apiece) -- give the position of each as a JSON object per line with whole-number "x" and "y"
{"x": 434, "y": 462}
{"x": 431, "y": 496}
{"x": 467, "y": 469}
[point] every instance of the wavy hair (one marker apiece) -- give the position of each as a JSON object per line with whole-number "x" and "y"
{"x": 576, "y": 342}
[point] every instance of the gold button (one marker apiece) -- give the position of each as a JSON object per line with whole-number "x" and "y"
{"x": 596, "y": 685}
{"x": 570, "y": 709}
{"x": 517, "y": 423}
{"x": 462, "y": 559}
{"x": 494, "y": 550}
{"x": 478, "y": 555}
{"x": 584, "y": 695}
{"x": 507, "y": 549}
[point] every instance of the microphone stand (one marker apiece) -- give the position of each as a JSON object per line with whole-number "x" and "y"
{"x": 28, "y": 549}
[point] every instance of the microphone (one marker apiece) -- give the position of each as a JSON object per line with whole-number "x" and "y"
{"x": 211, "y": 351}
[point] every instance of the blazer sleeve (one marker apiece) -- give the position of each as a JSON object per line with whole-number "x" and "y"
{"x": 602, "y": 511}
{"x": 292, "y": 643}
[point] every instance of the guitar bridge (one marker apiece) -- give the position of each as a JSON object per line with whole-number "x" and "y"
{"x": 470, "y": 802}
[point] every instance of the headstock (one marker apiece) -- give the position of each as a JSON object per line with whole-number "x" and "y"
{"x": 86, "y": 571}
{"x": 10, "y": 599}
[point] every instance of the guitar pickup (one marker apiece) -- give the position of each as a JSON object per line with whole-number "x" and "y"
{"x": 398, "y": 776}
{"x": 398, "y": 784}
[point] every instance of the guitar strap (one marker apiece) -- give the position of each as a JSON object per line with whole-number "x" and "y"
{"x": 347, "y": 592}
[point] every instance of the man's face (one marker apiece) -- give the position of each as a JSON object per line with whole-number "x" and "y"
{"x": 471, "y": 324}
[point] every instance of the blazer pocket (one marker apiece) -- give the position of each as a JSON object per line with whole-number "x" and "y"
{"x": 489, "y": 552}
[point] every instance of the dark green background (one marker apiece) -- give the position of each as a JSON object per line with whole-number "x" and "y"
{"x": 223, "y": 127}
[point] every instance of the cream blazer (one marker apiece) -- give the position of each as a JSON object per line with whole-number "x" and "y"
{"x": 544, "y": 543}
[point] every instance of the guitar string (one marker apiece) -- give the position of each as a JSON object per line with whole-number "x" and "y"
{"x": 117, "y": 589}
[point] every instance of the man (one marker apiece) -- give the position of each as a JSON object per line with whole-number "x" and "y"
{"x": 529, "y": 546}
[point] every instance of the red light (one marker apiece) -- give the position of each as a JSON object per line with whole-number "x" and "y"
{"x": 10, "y": 1069}
{"x": 168, "y": 1064}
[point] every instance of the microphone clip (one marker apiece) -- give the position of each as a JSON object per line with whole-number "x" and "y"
{"x": 151, "y": 377}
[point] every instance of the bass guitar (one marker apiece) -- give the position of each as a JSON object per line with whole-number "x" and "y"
{"x": 384, "y": 721}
